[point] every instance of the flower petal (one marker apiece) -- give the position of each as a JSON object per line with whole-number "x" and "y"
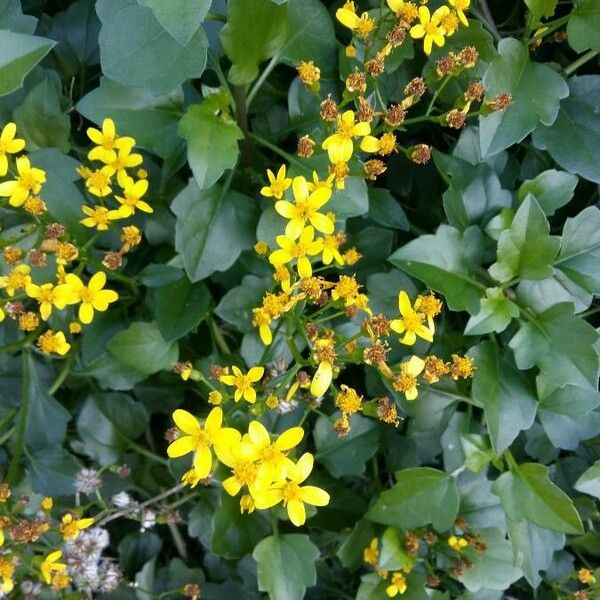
{"x": 181, "y": 446}
{"x": 314, "y": 495}
{"x": 186, "y": 421}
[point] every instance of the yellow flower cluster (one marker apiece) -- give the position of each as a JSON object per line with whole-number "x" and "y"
{"x": 21, "y": 284}
{"x": 258, "y": 465}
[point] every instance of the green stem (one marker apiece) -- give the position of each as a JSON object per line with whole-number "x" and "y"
{"x": 291, "y": 159}
{"x": 60, "y": 379}
{"x": 260, "y": 81}
{"x": 148, "y": 453}
{"x": 510, "y": 460}
{"x": 580, "y": 61}
{"x": 218, "y": 336}
{"x": 437, "y": 93}
{"x": 19, "y": 447}
{"x": 589, "y": 312}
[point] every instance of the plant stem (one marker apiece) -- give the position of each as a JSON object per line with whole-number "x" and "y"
{"x": 15, "y": 463}
{"x": 291, "y": 159}
{"x": 260, "y": 81}
{"x": 148, "y": 453}
{"x": 580, "y": 61}
{"x": 60, "y": 379}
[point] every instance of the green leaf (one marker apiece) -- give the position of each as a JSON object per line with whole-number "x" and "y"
{"x": 589, "y": 482}
{"x": 350, "y": 552}
{"x": 567, "y": 417}
{"x": 552, "y": 189}
{"x": 46, "y": 424}
{"x": 579, "y": 256}
{"x": 493, "y": 569}
{"x": 237, "y": 304}
{"x": 495, "y": 314}
{"x": 526, "y": 492}
{"x": 386, "y": 210}
{"x": 353, "y": 201}
{"x": 474, "y": 195}
{"x": 573, "y": 139}
{"x": 541, "y": 8}
{"x": 346, "y": 455}
{"x": 129, "y": 33}
{"x": 107, "y": 423}
{"x": 421, "y": 496}
{"x": 212, "y": 143}
{"x": 526, "y": 249}
{"x": 179, "y": 307}
{"x": 52, "y": 472}
{"x": 561, "y": 345}
{"x": 444, "y": 262}
{"x": 142, "y": 347}
{"x": 151, "y": 119}
{"x": 236, "y": 534}
{"x": 181, "y": 18}
{"x": 255, "y": 30}
{"x": 40, "y": 119}
{"x": 12, "y": 17}
{"x": 533, "y": 548}
{"x": 513, "y": 71}
{"x": 311, "y": 35}
{"x": 19, "y": 53}
{"x": 286, "y": 565}
{"x": 507, "y": 397}
{"x": 583, "y": 26}
{"x": 212, "y": 228}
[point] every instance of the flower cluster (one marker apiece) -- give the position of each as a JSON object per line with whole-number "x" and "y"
{"x": 259, "y": 466}
{"x": 27, "y": 295}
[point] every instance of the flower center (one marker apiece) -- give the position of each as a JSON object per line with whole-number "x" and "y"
{"x": 290, "y": 491}
{"x": 245, "y": 472}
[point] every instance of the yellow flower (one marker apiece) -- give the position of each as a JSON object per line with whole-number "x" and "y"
{"x": 261, "y": 247}
{"x": 98, "y": 182}
{"x": 243, "y": 383}
{"x": 460, "y": 6}
{"x": 406, "y": 380}
{"x": 17, "y": 279}
{"x": 308, "y": 72}
{"x": 29, "y": 181}
{"x": 92, "y": 297}
{"x": 274, "y": 462}
{"x": 200, "y": 440}
{"x": 47, "y": 503}
{"x": 132, "y": 195}
{"x": 317, "y": 183}
{"x": 347, "y": 16}
{"x": 292, "y": 494}
{"x": 262, "y": 319}
{"x": 430, "y": 27}
{"x": 384, "y": 145}
{"x": 371, "y": 552}
{"x": 50, "y": 342}
{"x": 241, "y": 459}
{"x": 321, "y": 379}
{"x": 300, "y": 250}
{"x": 70, "y": 527}
{"x": 124, "y": 160}
{"x": 49, "y": 566}
{"x": 107, "y": 142}
{"x": 9, "y": 145}
{"x": 411, "y": 323}
{"x": 7, "y": 571}
{"x": 457, "y": 543}
{"x": 397, "y": 586}
{"x": 215, "y": 397}
{"x": 98, "y": 217}
{"x": 282, "y": 276}
{"x": 339, "y": 145}
{"x": 331, "y": 252}
{"x": 586, "y": 576}
{"x": 305, "y": 208}
{"x": 277, "y": 185}
{"x": 47, "y": 297}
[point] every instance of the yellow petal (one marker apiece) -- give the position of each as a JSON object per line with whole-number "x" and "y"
{"x": 321, "y": 379}
{"x": 314, "y": 495}
{"x": 232, "y": 486}
{"x": 203, "y": 462}
{"x": 258, "y": 434}
{"x": 304, "y": 268}
{"x": 300, "y": 188}
{"x": 302, "y": 468}
{"x": 414, "y": 366}
{"x": 296, "y": 512}
{"x": 404, "y": 305}
{"x": 369, "y": 144}
{"x": 181, "y": 446}
{"x": 213, "y": 420}
{"x": 255, "y": 374}
{"x": 290, "y": 438}
{"x": 186, "y": 421}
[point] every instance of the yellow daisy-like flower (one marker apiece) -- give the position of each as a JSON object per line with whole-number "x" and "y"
{"x": 47, "y": 298}
{"x": 243, "y": 383}
{"x": 274, "y": 462}
{"x": 200, "y": 440}
{"x": 99, "y": 217}
{"x": 124, "y": 160}
{"x": 305, "y": 208}
{"x": 331, "y": 250}
{"x": 53, "y": 343}
{"x": 430, "y": 27}
{"x": 17, "y": 279}
{"x": 28, "y": 182}
{"x": 347, "y": 16}
{"x": 92, "y": 297}
{"x": 107, "y": 141}
{"x": 292, "y": 494}
{"x": 9, "y": 144}
{"x": 406, "y": 380}
{"x": 70, "y": 527}
{"x": 133, "y": 191}
{"x": 98, "y": 182}
{"x": 298, "y": 250}
{"x": 50, "y": 565}
{"x": 339, "y": 145}
{"x": 397, "y": 586}
{"x": 460, "y": 6}
{"x": 411, "y": 324}
{"x": 277, "y": 184}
